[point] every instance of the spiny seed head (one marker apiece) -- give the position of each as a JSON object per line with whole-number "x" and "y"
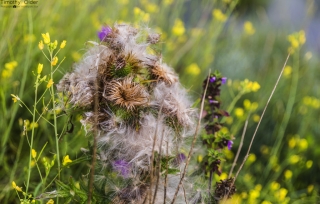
{"x": 126, "y": 93}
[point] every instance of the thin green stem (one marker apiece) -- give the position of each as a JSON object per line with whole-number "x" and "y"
{"x": 55, "y": 118}
{"x": 32, "y": 133}
{"x": 56, "y": 136}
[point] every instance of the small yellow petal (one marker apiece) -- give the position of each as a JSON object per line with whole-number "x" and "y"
{"x": 41, "y": 45}
{"x": 50, "y": 82}
{"x": 63, "y": 44}
{"x": 14, "y": 185}
{"x": 50, "y": 201}
{"x": 66, "y": 160}
{"x": 40, "y": 66}
{"x": 54, "y": 61}
{"x": 46, "y": 38}
{"x": 33, "y": 153}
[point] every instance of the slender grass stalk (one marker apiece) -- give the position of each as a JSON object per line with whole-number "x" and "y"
{"x": 14, "y": 169}
{"x": 21, "y": 90}
{"x": 55, "y": 117}
{"x": 240, "y": 147}
{"x": 255, "y": 132}
{"x": 288, "y": 110}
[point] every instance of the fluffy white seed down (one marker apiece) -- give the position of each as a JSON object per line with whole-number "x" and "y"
{"x": 175, "y": 101}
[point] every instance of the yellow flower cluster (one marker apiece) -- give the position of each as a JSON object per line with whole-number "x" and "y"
{"x": 296, "y": 40}
{"x": 295, "y": 141}
{"x": 311, "y": 102}
{"x": 249, "y": 86}
{"x": 138, "y": 13}
{"x": 17, "y": 188}
{"x": 51, "y": 45}
{"x": 217, "y": 14}
{"x": 178, "y": 28}
{"x": 287, "y": 71}
{"x": 8, "y": 69}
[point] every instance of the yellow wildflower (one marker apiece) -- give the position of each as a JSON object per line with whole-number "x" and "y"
{"x": 254, "y": 194}
{"x": 282, "y": 193}
{"x": 292, "y": 142}
{"x": 293, "y": 40}
{"x": 303, "y": 144}
{"x": 66, "y": 160}
{"x": 255, "y": 86}
{"x": 193, "y": 69}
{"x": 167, "y": 2}
{"x": 288, "y": 174}
{"x": 50, "y": 82}
{"x": 63, "y": 44}
{"x": 34, "y": 153}
{"x": 50, "y": 201}
{"x": 248, "y": 28}
{"x": 152, "y": 8}
{"x": 302, "y": 37}
{"x": 247, "y": 104}
{"x": 199, "y": 158}
{"x": 287, "y": 71}
{"x": 54, "y": 61}
{"x": 254, "y": 106}
{"x": 256, "y": 118}
{"x": 14, "y": 185}
{"x": 55, "y": 44}
{"x": 8, "y": 69}
{"x": 217, "y": 14}
{"x": 223, "y": 176}
{"x": 46, "y": 38}
{"x": 294, "y": 159}
{"x": 274, "y": 186}
{"x": 178, "y": 28}
{"x": 264, "y": 149}
{"x": 15, "y": 98}
{"x": 266, "y": 202}
{"x": 310, "y": 188}
{"x": 309, "y": 164}
{"x": 239, "y": 112}
{"x": 40, "y": 66}
{"x": 40, "y": 45}
{"x": 258, "y": 187}
{"x": 252, "y": 158}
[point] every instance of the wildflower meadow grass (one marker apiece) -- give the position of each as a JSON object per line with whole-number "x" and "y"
{"x": 149, "y": 101}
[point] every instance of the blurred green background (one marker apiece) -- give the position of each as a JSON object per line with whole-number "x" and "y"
{"x": 244, "y": 39}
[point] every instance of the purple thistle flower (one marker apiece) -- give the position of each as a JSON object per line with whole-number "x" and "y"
{"x": 122, "y": 167}
{"x": 105, "y": 30}
{"x": 223, "y": 80}
{"x": 230, "y": 142}
{"x": 212, "y": 79}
